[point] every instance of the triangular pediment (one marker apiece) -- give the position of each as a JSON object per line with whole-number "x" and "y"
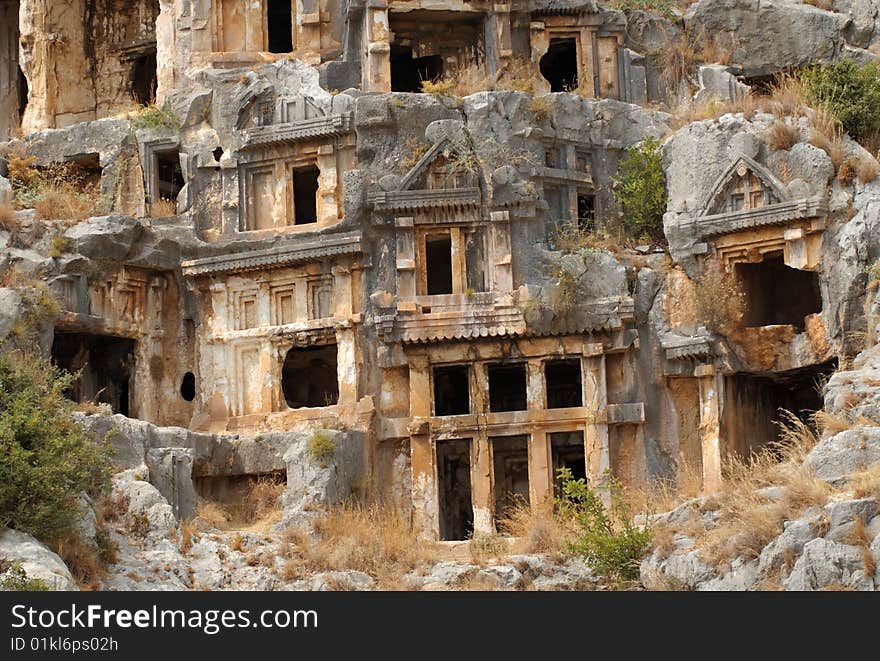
{"x": 744, "y": 185}
{"x": 446, "y": 165}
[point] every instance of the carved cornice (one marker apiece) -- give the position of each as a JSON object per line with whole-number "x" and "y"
{"x": 402, "y": 200}
{"x": 312, "y": 250}
{"x": 491, "y": 320}
{"x": 565, "y": 8}
{"x": 564, "y": 176}
{"x": 682, "y": 348}
{"x": 306, "y": 129}
{"x": 773, "y": 214}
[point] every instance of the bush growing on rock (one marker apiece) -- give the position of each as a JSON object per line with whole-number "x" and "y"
{"x": 850, "y": 92}
{"x": 47, "y": 459}
{"x": 605, "y": 536}
{"x": 640, "y": 189}
{"x": 16, "y": 580}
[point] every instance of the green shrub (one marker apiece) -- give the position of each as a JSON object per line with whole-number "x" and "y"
{"x": 640, "y": 189}
{"x": 322, "y": 446}
{"x": 153, "y": 117}
{"x": 16, "y": 580}
{"x": 873, "y": 272}
{"x": 47, "y": 459}
{"x": 606, "y": 537}
{"x": 850, "y": 91}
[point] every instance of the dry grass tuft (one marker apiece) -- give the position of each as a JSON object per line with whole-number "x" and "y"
{"x": 536, "y": 530}
{"x": 677, "y": 60}
{"x": 827, "y": 136}
{"x": 163, "y": 208}
{"x": 375, "y": 539}
{"x": 261, "y": 500}
{"x": 83, "y": 560}
{"x": 487, "y": 546}
{"x": 861, "y": 538}
{"x": 786, "y": 97}
{"x": 846, "y": 174}
{"x": 8, "y": 221}
{"x": 782, "y": 135}
{"x": 867, "y": 169}
{"x": 516, "y": 75}
{"x": 187, "y": 534}
{"x": 255, "y": 506}
{"x": 748, "y": 519}
{"x": 866, "y": 484}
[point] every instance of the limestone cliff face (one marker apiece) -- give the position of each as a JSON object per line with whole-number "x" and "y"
{"x": 295, "y": 241}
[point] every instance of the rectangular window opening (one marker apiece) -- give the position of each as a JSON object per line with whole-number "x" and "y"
{"x": 106, "y": 366}
{"x": 169, "y": 176}
{"x": 507, "y": 387}
{"x": 567, "y": 451}
{"x": 563, "y": 379}
{"x": 452, "y": 390}
{"x": 438, "y": 263}
{"x": 279, "y": 26}
{"x": 586, "y": 211}
{"x": 305, "y": 195}
{"x": 777, "y": 294}
{"x": 454, "y": 489}
{"x": 309, "y": 377}
{"x": 510, "y": 465}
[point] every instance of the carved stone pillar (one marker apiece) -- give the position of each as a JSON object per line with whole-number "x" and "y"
{"x": 424, "y": 489}
{"x": 377, "y": 37}
{"x": 595, "y": 397}
{"x": 502, "y": 275}
{"x": 710, "y": 428}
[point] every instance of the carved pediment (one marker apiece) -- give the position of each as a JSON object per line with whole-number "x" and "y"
{"x": 444, "y": 166}
{"x": 744, "y": 185}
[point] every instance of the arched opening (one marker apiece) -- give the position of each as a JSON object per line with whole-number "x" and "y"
{"x": 188, "y": 386}
{"x": 308, "y": 377}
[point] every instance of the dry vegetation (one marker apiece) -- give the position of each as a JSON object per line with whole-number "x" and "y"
{"x": 375, "y": 539}
{"x": 750, "y": 518}
{"x": 63, "y": 191}
{"x": 256, "y": 508}
{"x": 516, "y": 75}
{"x": 782, "y": 135}
{"x": 163, "y": 208}
{"x": 535, "y": 530}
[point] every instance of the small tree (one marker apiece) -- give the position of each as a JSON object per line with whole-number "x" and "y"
{"x": 47, "y": 460}
{"x": 640, "y": 189}
{"x": 605, "y": 536}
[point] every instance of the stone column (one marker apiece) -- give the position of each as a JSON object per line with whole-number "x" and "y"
{"x": 8, "y": 70}
{"x": 482, "y": 498}
{"x": 595, "y": 398}
{"x": 424, "y": 490}
{"x": 328, "y": 180}
{"x": 540, "y": 463}
{"x": 377, "y": 37}
{"x": 502, "y": 276}
{"x": 710, "y": 428}
{"x": 346, "y": 366}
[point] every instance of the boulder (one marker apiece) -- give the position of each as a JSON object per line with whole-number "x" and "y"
{"x": 846, "y": 452}
{"x": 171, "y": 473}
{"x": 37, "y": 560}
{"x": 771, "y": 35}
{"x": 314, "y": 481}
{"x": 825, "y": 564}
